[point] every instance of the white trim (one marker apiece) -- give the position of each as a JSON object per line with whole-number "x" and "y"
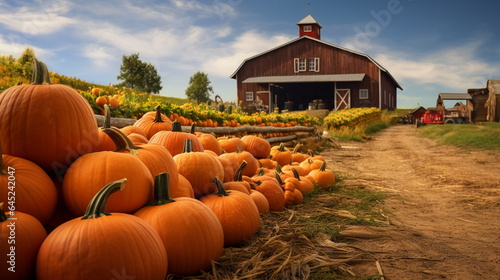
{"x": 343, "y": 101}
{"x": 295, "y": 65}
{"x": 247, "y": 95}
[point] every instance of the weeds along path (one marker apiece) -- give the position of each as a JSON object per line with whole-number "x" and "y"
{"x": 442, "y": 206}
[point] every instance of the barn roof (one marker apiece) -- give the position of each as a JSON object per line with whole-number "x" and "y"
{"x": 322, "y": 42}
{"x": 306, "y": 78}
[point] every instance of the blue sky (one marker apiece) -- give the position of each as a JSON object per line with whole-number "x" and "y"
{"x": 429, "y": 46}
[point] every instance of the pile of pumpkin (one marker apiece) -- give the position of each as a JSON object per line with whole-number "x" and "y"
{"x": 142, "y": 201}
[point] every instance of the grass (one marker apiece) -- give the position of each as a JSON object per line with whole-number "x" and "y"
{"x": 359, "y": 202}
{"x": 471, "y": 136}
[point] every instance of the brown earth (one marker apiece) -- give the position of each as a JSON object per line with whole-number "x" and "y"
{"x": 443, "y": 205}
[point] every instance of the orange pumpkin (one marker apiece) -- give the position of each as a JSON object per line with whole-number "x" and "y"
{"x": 237, "y": 158}
{"x": 173, "y": 140}
{"x": 231, "y": 145}
{"x": 88, "y": 172}
{"x": 129, "y": 129}
{"x": 325, "y": 178}
{"x": 228, "y": 169}
{"x": 257, "y": 146}
{"x": 199, "y": 168}
{"x": 271, "y": 189}
{"x": 101, "y": 245}
{"x": 26, "y": 187}
{"x": 281, "y": 154}
{"x": 260, "y": 200}
{"x": 105, "y": 143}
{"x": 28, "y": 233}
{"x": 184, "y": 188}
{"x": 28, "y": 111}
{"x": 305, "y": 185}
{"x": 237, "y": 183}
{"x": 237, "y": 213}
{"x": 297, "y": 156}
{"x": 185, "y": 225}
{"x": 209, "y": 142}
{"x": 154, "y": 121}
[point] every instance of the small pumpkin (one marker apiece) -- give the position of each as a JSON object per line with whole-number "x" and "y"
{"x": 191, "y": 232}
{"x": 271, "y": 189}
{"x": 260, "y": 200}
{"x": 209, "y": 142}
{"x": 281, "y": 154}
{"x": 237, "y": 213}
{"x": 154, "y": 121}
{"x": 28, "y": 233}
{"x": 102, "y": 245}
{"x": 238, "y": 157}
{"x": 231, "y": 144}
{"x": 237, "y": 183}
{"x": 325, "y": 178}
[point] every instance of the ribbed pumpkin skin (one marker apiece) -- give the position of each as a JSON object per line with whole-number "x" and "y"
{"x": 158, "y": 159}
{"x": 109, "y": 247}
{"x": 271, "y": 189}
{"x": 29, "y": 234}
{"x": 150, "y": 127}
{"x": 237, "y": 213}
{"x": 260, "y": 200}
{"x": 209, "y": 142}
{"x": 35, "y": 192}
{"x": 191, "y": 232}
{"x": 85, "y": 176}
{"x": 174, "y": 141}
{"x": 257, "y": 146}
{"x": 50, "y": 125}
{"x": 200, "y": 168}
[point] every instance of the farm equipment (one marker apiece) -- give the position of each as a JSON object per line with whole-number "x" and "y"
{"x": 442, "y": 116}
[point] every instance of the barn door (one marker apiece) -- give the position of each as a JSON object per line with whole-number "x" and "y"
{"x": 342, "y": 99}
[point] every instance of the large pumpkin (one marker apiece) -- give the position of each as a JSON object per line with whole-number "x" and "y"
{"x": 48, "y": 124}
{"x": 27, "y": 187}
{"x": 257, "y": 146}
{"x": 199, "y": 168}
{"x": 174, "y": 140}
{"x": 237, "y": 213}
{"x": 154, "y": 121}
{"x": 18, "y": 258}
{"x": 191, "y": 232}
{"x": 101, "y": 245}
{"x": 85, "y": 176}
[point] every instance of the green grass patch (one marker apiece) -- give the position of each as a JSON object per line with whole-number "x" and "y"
{"x": 473, "y": 136}
{"x": 361, "y": 203}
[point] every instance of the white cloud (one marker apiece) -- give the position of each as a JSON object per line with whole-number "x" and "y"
{"x": 37, "y": 20}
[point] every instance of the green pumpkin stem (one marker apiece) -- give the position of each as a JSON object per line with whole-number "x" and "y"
{"x": 188, "y": 146}
{"x": 161, "y": 190}
{"x": 158, "y": 118}
{"x": 122, "y": 142}
{"x": 221, "y": 191}
{"x": 40, "y": 73}
{"x": 282, "y": 147}
{"x": 193, "y": 128}
{"x": 238, "y": 175}
{"x": 3, "y": 217}
{"x": 107, "y": 117}
{"x": 261, "y": 171}
{"x": 95, "y": 209}
{"x": 176, "y": 126}
{"x": 278, "y": 177}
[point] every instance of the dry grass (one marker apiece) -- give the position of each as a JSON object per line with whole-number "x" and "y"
{"x": 293, "y": 244}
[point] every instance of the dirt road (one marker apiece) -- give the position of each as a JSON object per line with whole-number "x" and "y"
{"x": 443, "y": 205}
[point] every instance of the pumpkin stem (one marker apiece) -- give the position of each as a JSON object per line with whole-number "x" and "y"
{"x": 281, "y": 147}
{"x": 296, "y": 148}
{"x": 261, "y": 171}
{"x": 40, "y": 73}
{"x": 158, "y": 118}
{"x": 107, "y": 117}
{"x": 161, "y": 190}
{"x": 238, "y": 175}
{"x": 188, "y": 146}
{"x": 323, "y": 166}
{"x": 296, "y": 174}
{"x": 278, "y": 177}
{"x": 221, "y": 191}
{"x": 176, "y": 126}
{"x": 3, "y": 217}
{"x": 122, "y": 142}
{"x": 95, "y": 209}
{"x": 193, "y": 128}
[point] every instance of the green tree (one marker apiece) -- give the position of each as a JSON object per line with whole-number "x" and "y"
{"x": 199, "y": 88}
{"x": 139, "y": 75}
{"x": 25, "y": 64}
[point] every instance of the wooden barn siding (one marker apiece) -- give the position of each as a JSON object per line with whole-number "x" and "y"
{"x": 332, "y": 61}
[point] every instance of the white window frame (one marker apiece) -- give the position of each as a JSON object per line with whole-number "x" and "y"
{"x": 364, "y": 94}
{"x": 299, "y": 65}
{"x": 249, "y": 96}
{"x": 307, "y": 28}
{"x": 314, "y": 64}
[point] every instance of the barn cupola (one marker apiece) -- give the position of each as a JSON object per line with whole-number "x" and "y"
{"x": 308, "y": 26}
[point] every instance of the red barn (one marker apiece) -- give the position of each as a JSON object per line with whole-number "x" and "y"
{"x": 308, "y": 73}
